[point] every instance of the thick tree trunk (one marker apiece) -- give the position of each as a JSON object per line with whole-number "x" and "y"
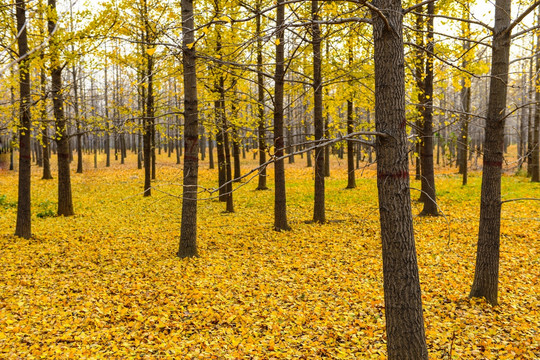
{"x": 65, "y": 202}
{"x": 486, "y": 275}
{"x": 23, "y": 227}
{"x": 426, "y": 149}
{"x": 403, "y": 301}
{"x": 318, "y": 120}
{"x": 188, "y": 233}
{"x": 280, "y": 198}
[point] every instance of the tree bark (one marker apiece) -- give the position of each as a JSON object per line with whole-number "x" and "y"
{"x": 23, "y": 226}
{"x": 280, "y": 198}
{"x": 319, "y": 215}
{"x": 403, "y": 301}
{"x": 351, "y": 181}
{"x": 535, "y": 158}
{"x": 426, "y": 146}
{"x": 486, "y": 275}
{"x": 260, "y": 104}
{"x": 65, "y": 202}
{"x": 188, "y": 233}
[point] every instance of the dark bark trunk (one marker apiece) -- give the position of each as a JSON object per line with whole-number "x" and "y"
{"x": 486, "y": 275}
{"x": 210, "y": 152}
{"x": 188, "y": 234}
{"x": 351, "y": 181}
{"x": 260, "y": 105}
{"x": 236, "y": 154}
{"x": 280, "y": 198}
{"x": 47, "y": 175}
{"x": 426, "y": 149}
{"x": 319, "y": 206}
{"x": 65, "y": 202}
{"x": 535, "y": 158}
{"x": 402, "y": 294}
{"x": 77, "y": 120}
{"x": 147, "y": 137}
{"x": 23, "y": 227}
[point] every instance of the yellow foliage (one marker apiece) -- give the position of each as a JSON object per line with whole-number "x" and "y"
{"x": 106, "y": 283}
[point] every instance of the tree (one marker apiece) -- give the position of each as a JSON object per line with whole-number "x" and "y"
{"x": 319, "y": 206}
{"x": 426, "y": 145}
{"x": 260, "y": 102}
{"x": 402, "y": 295}
{"x": 280, "y": 197}
{"x": 65, "y": 202}
{"x": 188, "y": 233}
{"x": 535, "y": 158}
{"x": 486, "y": 274}
{"x": 23, "y": 227}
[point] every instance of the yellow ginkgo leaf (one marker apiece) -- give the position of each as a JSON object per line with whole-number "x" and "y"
{"x": 190, "y": 45}
{"x": 151, "y": 51}
{"x": 277, "y": 42}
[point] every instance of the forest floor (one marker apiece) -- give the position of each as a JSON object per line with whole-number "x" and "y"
{"x": 106, "y": 283}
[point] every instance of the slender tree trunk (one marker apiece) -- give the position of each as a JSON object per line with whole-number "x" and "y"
{"x": 426, "y": 149}
{"x": 260, "y": 104}
{"x": 402, "y": 295}
{"x": 486, "y": 275}
{"x": 23, "y": 227}
{"x": 351, "y": 181}
{"x": 319, "y": 206}
{"x": 47, "y": 175}
{"x": 210, "y": 152}
{"x": 188, "y": 234}
{"x": 236, "y": 153}
{"x": 77, "y": 120}
{"x": 65, "y": 202}
{"x": 148, "y": 120}
{"x": 535, "y": 158}
{"x": 280, "y": 199}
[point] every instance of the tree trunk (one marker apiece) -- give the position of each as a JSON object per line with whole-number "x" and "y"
{"x": 318, "y": 120}
{"x": 149, "y": 116}
{"x": 486, "y": 275}
{"x": 188, "y": 233}
{"x": 280, "y": 198}
{"x": 23, "y": 227}
{"x": 351, "y": 181}
{"x": 236, "y": 154}
{"x": 403, "y": 301}
{"x": 65, "y": 202}
{"x": 47, "y": 175}
{"x": 426, "y": 148}
{"x": 260, "y": 104}
{"x": 535, "y": 158}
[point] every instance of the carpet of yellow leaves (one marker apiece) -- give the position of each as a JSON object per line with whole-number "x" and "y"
{"x": 106, "y": 283}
